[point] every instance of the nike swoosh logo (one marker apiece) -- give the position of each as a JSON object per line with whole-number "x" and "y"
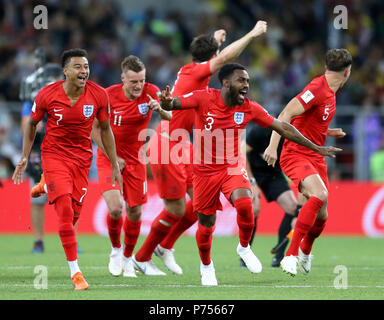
{"x": 116, "y": 112}
{"x": 211, "y": 114}
{"x": 56, "y": 110}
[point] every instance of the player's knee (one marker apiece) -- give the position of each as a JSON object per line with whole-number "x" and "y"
{"x": 134, "y": 213}
{"x": 207, "y": 221}
{"x": 115, "y": 211}
{"x": 176, "y": 207}
{"x": 322, "y": 195}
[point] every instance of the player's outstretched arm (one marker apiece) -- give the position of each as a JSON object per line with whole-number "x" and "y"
{"x": 233, "y": 50}
{"x": 167, "y": 102}
{"x": 155, "y": 106}
{"x": 108, "y": 141}
{"x": 28, "y": 138}
{"x": 289, "y": 132}
{"x": 291, "y": 110}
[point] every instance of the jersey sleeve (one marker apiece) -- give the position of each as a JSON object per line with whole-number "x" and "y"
{"x": 39, "y": 106}
{"x": 191, "y": 100}
{"x": 26, "y": 109}
{"x": 104, "y": 107}
{"x": 260, "y": 115}
{"x": 202, "y": 70}
{"x": 309, "y": 96}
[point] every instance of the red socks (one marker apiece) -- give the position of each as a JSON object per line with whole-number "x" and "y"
{"x": 245, "y": 219}
{"x": 64, "y": 210}
{"x": 189, "y": 218}
{"x": 159, "y": 229}
{"x": 114, "y": 230}
{"x": 313, "y": 233}
{"x": 204, "y": 242}
{"x": 304, "y": 223}
{"x": 132, "y": 232}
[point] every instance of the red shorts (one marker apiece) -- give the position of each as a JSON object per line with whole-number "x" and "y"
{"x": 206, "y": 189}
{"x": 65, "y": 177}
{"x": 297, "y": 167}
{"x": 134, "y": 181}
{"x": 173, "y": 176}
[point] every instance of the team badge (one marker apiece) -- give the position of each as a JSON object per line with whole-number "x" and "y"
{"x": 88, "y": 110}
{"x": 238, "y": 117}
{"x": 143, "y": 108}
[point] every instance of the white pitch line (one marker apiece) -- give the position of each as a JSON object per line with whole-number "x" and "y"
{"x": 195, "y": 286}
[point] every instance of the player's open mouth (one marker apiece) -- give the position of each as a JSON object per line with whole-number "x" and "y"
{"x": 242, "y": 94}
{"x": 82, "y": 79}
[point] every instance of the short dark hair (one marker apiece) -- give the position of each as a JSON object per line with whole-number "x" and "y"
{"x": 203, "y": 47}
{"x": 338, "y": 59}
{"x": 68, "y": 54}
{"x": 227, "y": 70}
{"x": 132, "y": 63}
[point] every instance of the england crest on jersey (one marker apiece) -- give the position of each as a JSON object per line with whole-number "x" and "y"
{"x": 88, "y": 110}
{"x": 143, "y": 108}
{"x": 238, "y": 117}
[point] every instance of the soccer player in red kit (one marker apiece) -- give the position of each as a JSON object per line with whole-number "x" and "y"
{"x": 220, "y": 117}
{"x": 311, "y": 112}
{"x": 174, "y": 178}
{"x": 71, "y": 106}
{"x": 132, "y": 102}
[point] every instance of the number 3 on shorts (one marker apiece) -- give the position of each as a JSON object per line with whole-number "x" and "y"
{"x": 85, "y": 192}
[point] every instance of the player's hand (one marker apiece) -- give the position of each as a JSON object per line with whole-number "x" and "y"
{"x": 220, "y": 36}
{"x": 166, "y": 98}
{"x": 116, "y": 177}
{"x": 270, "y": 156}
{"x": 17, "y": 176}
{"x": 259, "y": 28}
{"x": 336, "y": 133}
{"x": 121, "y": 163}
{"x": 153, "y": 104}
{"x": 328, "y": 151}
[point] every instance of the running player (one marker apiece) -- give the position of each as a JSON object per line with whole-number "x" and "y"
{"x": 174, "y": 178}
{"x": 272, "y": 183}
{"x": 132, "y": 102}
{"x": 71, "y": 106}
{"x": 220, "y": 117}
{"x": 311, "y": 112}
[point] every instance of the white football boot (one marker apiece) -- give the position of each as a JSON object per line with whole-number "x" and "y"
{"x": 251, "y": 261}
{"x": 289, "y": 265}
{"x": 208, "y": 275}
{"x": 128, "y": 269}
{"x": 115, "y": 265}
{"x": 147, "y": 267}
{"x": 168, "y": 258}
{"x": 304, "y": 261}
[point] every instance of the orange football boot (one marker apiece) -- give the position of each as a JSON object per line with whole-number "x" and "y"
{"x": 79, "y": 282}
{"x": 38, "y": 190}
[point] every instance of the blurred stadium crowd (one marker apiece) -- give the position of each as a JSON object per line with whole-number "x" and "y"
{"x": 280, "y": 64}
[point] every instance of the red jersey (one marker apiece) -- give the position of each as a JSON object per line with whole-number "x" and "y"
{"x": 193, "y": 76}
{"x": 218, "y": 128}
{"x": 68, "y": 128}
{"x": 319, "y": 102}
{"x": 129, "y": 119}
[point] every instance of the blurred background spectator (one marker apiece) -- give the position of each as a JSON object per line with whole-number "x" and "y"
{"x": 280, "y": 64}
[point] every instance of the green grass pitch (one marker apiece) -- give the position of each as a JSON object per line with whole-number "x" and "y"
{"x": 344, "y": 268}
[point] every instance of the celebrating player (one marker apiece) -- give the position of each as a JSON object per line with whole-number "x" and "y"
{"x": 71, "y": 106}
{"x": 272, "y": 183}
{"x": 132, "y": 102}
{"x": 220, "y": 116}
{"x": 311, "y": 112}
{"x": 173, "y": 178}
